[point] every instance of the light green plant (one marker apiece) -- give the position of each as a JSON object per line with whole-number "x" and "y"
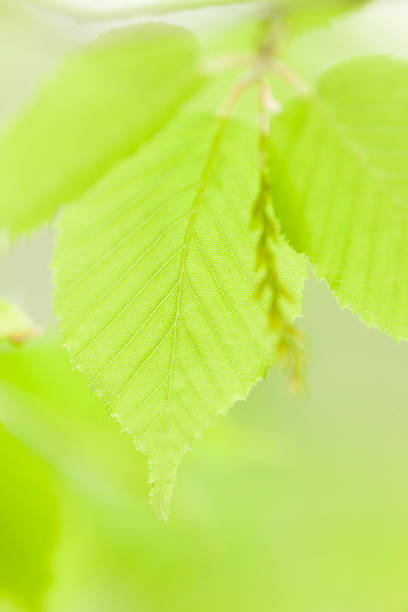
{"x": 193, "y": 203}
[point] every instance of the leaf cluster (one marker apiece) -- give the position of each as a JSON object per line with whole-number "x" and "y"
{"x": 191, "y": 205}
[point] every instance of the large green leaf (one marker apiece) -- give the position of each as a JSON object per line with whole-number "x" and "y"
{"x": 100, "y": 106}
{"x": 341, "y": 185}
{"x": 28, "y": 524}
{"x": 155, "y": 288}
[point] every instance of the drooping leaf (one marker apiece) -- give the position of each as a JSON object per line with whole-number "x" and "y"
{"x": 28, "y": 524}
{"x": 155, "y": 288}
{"x": 15, "y": 325}
{"x": 341, "y": 186}
{"x": 99, "y": 107}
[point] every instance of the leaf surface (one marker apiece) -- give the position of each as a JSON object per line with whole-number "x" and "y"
{"x": 99, "y": 107}
{"x": 341, "y": 186}
{"x": 155, "y": 284}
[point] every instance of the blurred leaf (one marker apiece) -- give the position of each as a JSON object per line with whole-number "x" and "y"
{"x": 303, "y": 15}
{"x": 343, "y": 200}
{"x": 91, "y": 11}
{"x": 298, "y": 17}
{"x": 28, "y": 524}
{"x": 308, "y": 10}
{"x": 286, "y": 505}
{"x": 157, "y": 300}
{"x": 15, "y": 325}
{"x": 29, "y": 49}
{"x": 101, "y": 105}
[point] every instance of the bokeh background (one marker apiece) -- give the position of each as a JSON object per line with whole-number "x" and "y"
{"x": 286, "y": 505}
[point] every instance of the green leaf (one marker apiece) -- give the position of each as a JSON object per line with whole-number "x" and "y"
{"x": 100, "y": 106}
{"x": 304, "y": 15}
{"x": 28, "y": 524}
{"x": 88, "y": 11}
{"x": 155, "y": 284}
{"x": 91, "y": 11}
{"x": 341, "y": 186}
{"x": 15, "y": 325}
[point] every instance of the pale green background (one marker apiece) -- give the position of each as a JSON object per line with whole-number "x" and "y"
{"x": 288, "y": 505}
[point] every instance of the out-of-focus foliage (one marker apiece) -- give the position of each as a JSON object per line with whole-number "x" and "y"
{"x": 29, "y": 50}
{"x": 286, "y": 505}
{"x": 375, "y": 29}
{"x": 92, "y": 10}
{"x": 28, "y": 524}
{"x": 302, "y": 13}
{"x": 88, "y": 116}
{"x": 15, "y": 326}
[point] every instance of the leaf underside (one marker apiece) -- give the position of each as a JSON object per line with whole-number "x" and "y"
{"x": 341, "y": 186}
{"x": 154, "y": 287}
{"x": 99, "y": 107}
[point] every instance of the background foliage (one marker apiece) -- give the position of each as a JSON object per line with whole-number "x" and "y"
{"x": 288, "y": 504}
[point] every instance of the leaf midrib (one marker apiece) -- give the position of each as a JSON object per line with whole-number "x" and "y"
{"x": 205, "y": 176}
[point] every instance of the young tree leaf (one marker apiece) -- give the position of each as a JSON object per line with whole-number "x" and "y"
{"x": 100, "y": 106}
{"x": 155, "y": 288}
{"x": 341, "y": 186}
{"x": 28, "y": 524}
{"x": 15, "y": 325}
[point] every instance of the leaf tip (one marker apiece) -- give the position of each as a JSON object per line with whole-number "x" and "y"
{"x": 162, "y": 477}
{"x": 160, "y": 498}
